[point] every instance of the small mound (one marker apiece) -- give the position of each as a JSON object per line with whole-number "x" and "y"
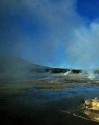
{"x": 91, "y": 109}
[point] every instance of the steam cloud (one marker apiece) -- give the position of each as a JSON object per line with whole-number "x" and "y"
{"x": 59, "y": 28}
{"x": 85, "y": 48}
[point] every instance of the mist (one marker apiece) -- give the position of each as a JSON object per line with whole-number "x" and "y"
{"x": 49, "y": 33}
{"x": 85, "y": 48}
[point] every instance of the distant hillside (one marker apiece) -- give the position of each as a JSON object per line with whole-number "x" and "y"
{"x": 17, "y": 68}
{"x": 63, "y": 70}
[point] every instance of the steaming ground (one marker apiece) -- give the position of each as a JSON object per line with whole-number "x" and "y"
{"x": 38, "y": 95}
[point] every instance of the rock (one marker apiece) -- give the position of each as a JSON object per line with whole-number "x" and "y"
{"x": 94, "y": 103}
{"x": 87, "y": 102}
{"x": 92, "y": 115}
{"x": 91, "y": 109}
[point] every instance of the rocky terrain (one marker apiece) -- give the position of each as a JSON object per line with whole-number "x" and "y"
{"x": 91, "y": 109}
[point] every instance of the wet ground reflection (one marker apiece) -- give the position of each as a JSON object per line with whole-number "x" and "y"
{"x": 42, "y": 102}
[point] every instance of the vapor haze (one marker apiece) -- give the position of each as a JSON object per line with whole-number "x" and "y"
{"x": 49, "y": 32}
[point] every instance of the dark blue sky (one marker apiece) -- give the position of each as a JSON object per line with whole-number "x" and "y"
{"x": 88, "y": 9}
{"x": 56, "y": 33}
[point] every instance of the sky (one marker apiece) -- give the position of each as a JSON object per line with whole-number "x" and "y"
{"x": 55, "y": 33}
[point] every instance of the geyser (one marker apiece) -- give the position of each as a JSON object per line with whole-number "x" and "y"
{"x": 91, "y": 74}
